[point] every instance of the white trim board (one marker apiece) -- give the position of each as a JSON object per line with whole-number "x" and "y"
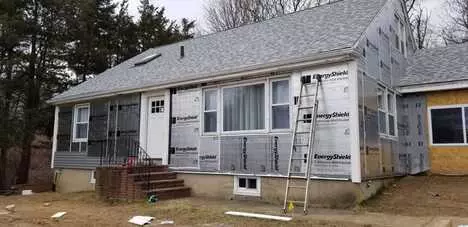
{"x": 54, "y": 137}
{"x": 443, "y": 86}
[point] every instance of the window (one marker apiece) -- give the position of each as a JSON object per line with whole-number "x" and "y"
{"x": 244, "y": 108}
{"x": 280, "y": 104}
{"x": 402, "y": 38}
{"x": 382, "y": 115}
{"x": 249, "y": 186}
{"x": 210, "y": 110}
{"x": 400, "y": 35}
{"x": 448, "y": 125}
{"x": 157, "y": 106}
{"x": 92, "y": 177}
{"x": 387, "y": 111}
{"x": 391, "y": 113}
{"x": 81, "y": 123}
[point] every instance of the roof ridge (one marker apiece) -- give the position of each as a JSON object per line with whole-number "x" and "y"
{"x": 251, "y": 23}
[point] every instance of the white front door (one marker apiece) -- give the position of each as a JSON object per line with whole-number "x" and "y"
{"x": 157, "y": 127}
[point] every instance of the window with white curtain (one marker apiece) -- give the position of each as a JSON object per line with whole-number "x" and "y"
{"x": 210, "y": 110}
{"x": 81, "y": 123}
{"x": 280, "y": 104}
{"x": 244, "y": 108}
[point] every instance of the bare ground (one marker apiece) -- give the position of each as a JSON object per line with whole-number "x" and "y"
{"x": 84, "y": 210}
{"x": 423, "y": 196}
{"x": 411, "y": 201}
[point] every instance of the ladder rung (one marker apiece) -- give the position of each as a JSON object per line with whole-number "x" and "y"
{"x": 302, "y": 132}
{"x": 294, "y": 186}
{"x": 306, "y": 107}
{"x": 304, "y": 120}
{"x": 302, "y": 159}
{"x": 296, "y": 173}
{"x": 292, "y": 201}
{"x": 301, "y": 145}
{"x": 305, "y": 96}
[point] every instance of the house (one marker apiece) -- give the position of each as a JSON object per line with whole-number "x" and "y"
{"x": 436, "y": 83}
{"x": 220, "y": 109}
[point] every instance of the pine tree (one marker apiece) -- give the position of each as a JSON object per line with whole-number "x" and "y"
{"x": 126, "y": 42}
{"x": 92, "y": 28}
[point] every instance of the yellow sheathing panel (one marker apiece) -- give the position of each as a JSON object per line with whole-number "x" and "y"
{"x": 447, "y": 98}
{"x": 448, "y": 160}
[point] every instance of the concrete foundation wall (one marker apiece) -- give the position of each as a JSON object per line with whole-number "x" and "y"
{"x": 73, "y": 180}
{"x": 323, "y": 193}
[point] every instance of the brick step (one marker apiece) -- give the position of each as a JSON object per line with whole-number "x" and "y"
{"x": 158, "y": 184}
{"x": 137, "y": 177}
{"x": 144, "y": 169}
{"x": 169, "y": 193}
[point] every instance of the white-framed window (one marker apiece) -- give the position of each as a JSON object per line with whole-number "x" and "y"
{"x": 210, "y": 110}
{"x": 81, "y": 123}
{"x": 448, "y": 125}
{"x": 386, "y": 101}
{"x": 92, "y": 177}
{"x": 400, "y": 35}
{"x": 243, "y": 107}
{"x": 246, "y": 185}
{"x": 280, "y": 104}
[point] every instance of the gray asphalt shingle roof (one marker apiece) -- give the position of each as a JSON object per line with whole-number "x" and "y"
{"x": 302, "y": 34}
{"x": 442, "y": 64}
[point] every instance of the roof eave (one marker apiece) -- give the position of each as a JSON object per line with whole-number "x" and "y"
{"x": 333, "y": 56}
{"x": 436, "y": 86}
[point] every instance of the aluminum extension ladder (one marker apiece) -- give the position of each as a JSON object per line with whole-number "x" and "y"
{"x": 306, "y": 82}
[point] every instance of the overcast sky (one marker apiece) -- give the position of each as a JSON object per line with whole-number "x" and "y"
{"x": 194, "y": 9}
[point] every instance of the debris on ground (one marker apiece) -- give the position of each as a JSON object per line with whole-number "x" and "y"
{"x": 10, "y": 208}
{"x": 4, "y": 213}
{"x": 153, "y": 199}
{"x": 26, "y": 192}
{"x": 262, "y": 216}
{"x": 166, "y": 222}
{"x": 141, "y": 220}
{"x": 58, "y": 215}
{"x": 46, "y": 204}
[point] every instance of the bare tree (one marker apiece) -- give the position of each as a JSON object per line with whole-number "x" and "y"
{"x": 457, "y": 30}
{"x": 419, "y": 22}
{"x": 226, "y": 14}
{"x": 420, "y": 26}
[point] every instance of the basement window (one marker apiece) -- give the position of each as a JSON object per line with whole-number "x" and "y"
{"x": 248, "y": 186}
{"x": 92, "y": 177}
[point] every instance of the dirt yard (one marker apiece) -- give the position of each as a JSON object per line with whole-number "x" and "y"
{"x": 423, "y": 196}
{"x": 84, "y": 210}
{"x": 411, "y": 201}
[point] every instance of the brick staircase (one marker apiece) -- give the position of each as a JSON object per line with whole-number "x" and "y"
{"x": 158, "y": 181}
{"x": 139, "y": 182}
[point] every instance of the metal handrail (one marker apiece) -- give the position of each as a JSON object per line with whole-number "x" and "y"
{"x": 133, "y": 157}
